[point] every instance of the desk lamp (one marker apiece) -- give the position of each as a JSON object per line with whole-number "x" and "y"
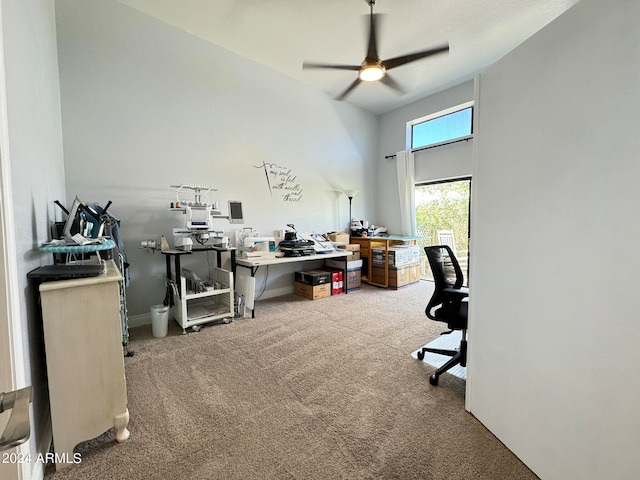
{"x": 350, "y": 194}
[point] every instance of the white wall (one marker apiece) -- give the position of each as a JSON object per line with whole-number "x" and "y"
{"x": 32, "y": 155}
{"x": 554, "y": 304}
{"x": 445, "y": 162}
{"x": 146, "y": 105}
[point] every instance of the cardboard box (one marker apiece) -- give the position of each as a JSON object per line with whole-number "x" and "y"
{"x": 313, "y": 277}
{"x": 398, "y": 276}
{"x": 337, "y": 282}
{"x": 354, "y": 271}
{"x": 351, "y": 264}
{"x": 353, "y": 279}
{"x": 339, "y": 237}
{"x": 352, "y": 247}
{"x": 399, "y": 255}
{"x": 313, "y": 292}
{"x": 403, "y": 276}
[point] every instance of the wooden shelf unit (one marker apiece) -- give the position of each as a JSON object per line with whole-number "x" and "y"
{"x": 367, "y": 244}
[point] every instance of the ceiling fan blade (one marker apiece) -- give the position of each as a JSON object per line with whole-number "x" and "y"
{"x": 330, "y": 65}
{"x": 412, "y": 57}
{"x": 348, "y": 90}
{"x": 372, "y": 50}
{"x": 390, "y": 82}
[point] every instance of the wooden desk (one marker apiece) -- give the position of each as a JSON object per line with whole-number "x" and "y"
{"x": 85, "y": 361}
{"x": 367, "y": 244}
{"x": 254, "y": 263}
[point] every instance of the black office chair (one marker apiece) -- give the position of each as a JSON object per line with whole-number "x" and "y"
{"x": 447, "y": 305}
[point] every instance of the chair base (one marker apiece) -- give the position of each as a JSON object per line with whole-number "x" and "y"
{"x": 458, "y": 357}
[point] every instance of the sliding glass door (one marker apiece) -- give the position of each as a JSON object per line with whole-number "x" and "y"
{"x": 442, "y": 217}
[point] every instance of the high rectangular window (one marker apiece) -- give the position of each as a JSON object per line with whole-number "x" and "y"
{"x": 442, "y": 127}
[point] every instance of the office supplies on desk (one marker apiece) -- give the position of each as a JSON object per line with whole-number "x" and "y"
{"x": 361, "y": 228}
{"x": 293, "y": 246}
{"x": 320, "y": 243}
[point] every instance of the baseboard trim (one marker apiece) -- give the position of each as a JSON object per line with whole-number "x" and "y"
{"x": 275, "y": 292}
{"x": 139, "y": 320}
{"x": 145, "y": 318}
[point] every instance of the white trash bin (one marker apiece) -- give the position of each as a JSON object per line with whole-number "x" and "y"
{"x": 159, "y": 320}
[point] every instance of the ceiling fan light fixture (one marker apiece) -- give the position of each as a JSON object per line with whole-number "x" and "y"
{"x": 373, "y": 68}
{"x": 371, "y": 73}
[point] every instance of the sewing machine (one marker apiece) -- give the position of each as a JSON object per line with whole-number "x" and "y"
{"x": 259, "y": 247}
{"x": 199, "y": 214}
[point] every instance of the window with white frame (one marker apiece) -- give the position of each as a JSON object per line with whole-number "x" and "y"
{"x": 442, "y": 127}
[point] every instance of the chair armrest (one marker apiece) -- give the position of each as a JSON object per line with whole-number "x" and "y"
{"x": 456, "y": 292}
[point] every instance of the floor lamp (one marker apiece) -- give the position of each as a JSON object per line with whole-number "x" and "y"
{"x": 350, "y": 194}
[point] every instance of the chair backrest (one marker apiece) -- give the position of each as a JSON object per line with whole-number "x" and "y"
{"x": 446, "y": 237}
{"x": 446, "y": 274}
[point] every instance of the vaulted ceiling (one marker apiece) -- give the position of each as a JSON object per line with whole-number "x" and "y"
{"x": 282, "y": 34}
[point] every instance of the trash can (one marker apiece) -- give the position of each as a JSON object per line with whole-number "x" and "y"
{"x": 159, "y": 320}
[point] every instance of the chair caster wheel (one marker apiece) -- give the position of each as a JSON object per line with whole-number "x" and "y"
{"x": 433, "y": 379}
{"x": 421, "y": 355}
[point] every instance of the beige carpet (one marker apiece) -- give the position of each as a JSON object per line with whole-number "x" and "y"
{"x": 322, "y": 389}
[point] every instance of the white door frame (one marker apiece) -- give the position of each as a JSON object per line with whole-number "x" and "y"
{"x": 12, "y": 370}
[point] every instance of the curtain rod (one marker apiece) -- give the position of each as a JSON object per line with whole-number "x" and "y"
{"x": 466, "y": 139}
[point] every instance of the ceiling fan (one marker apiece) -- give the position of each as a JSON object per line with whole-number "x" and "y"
{"x": 372, "y": 68}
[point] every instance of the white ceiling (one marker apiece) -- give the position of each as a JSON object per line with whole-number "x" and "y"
{"x": 284, "y": 33}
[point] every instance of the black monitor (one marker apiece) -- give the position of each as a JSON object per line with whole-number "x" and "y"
{"x": 235, "y": 212}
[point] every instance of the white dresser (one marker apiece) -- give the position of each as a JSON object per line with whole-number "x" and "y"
{"x": 85, "y": 361}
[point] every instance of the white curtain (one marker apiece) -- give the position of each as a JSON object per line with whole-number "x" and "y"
{"x": 406, "y": 189}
